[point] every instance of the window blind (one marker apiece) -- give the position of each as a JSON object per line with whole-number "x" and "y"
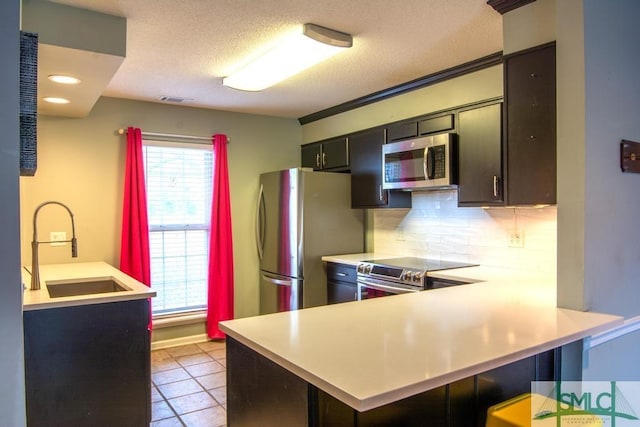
{"x": 179, "y": 189}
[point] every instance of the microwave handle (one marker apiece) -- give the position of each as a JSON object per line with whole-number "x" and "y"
{"x": 429, "y": 164}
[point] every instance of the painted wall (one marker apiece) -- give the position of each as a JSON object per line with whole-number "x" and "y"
{"x": 436, "y": 228}
{"x": 81, "y": 163}
{"x": 12, "y": 405}
{"x": 612, "y": 239}
{"x": 473, "y": 87}
{"x": 531, "y": 25}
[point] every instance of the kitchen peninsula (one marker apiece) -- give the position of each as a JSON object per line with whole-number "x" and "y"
{"x": 443, "y": 355}
{"x": 87, "y": 347}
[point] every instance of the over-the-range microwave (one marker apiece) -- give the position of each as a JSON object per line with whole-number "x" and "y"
{"x": 429, "y": 162}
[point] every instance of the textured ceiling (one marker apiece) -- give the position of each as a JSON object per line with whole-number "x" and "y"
{"x": 183, "y": 48}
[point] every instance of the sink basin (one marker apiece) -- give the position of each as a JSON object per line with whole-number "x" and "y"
{"x": 85, "y": 287}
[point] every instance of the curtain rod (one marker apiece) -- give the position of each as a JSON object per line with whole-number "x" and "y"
{"x": 172, "y": 136}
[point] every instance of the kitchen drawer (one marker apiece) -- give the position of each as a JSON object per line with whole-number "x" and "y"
{"x": 341, "y": 272}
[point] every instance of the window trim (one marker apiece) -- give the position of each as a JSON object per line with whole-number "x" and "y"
{"x": 187, "y": 315}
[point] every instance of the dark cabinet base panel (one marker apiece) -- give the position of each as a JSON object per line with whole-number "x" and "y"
{"x": 88, "y": 365}
{"x": 260, "y": 391}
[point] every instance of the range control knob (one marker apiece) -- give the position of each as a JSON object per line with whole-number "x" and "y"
{"x": 417, "y": 277}
{"x": 360, "y": 268}
{"x": 407, "y": 275}
{"x": 367, "y": 268}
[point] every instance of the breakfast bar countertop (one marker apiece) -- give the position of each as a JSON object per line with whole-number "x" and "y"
{"x": 374, "y": 352}
{"x": 80, "y": 272}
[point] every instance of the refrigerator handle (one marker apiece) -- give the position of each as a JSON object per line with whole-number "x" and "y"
{"x": 279, "y": 282}
{"x": 259, "y": 228}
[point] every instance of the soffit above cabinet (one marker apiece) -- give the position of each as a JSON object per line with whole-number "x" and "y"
{"x": 76, "y": 42}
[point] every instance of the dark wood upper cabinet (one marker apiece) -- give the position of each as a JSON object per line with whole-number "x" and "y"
{"x": 365, "y": 153}
{"x": 436, "y": 124}
{"x": 507, "y": 152}
{"x": 480, "y": 156}
{"x": 332, "y": 154}
{"x": 311, "y": 156}
{"x": 530, "y": 126}
{"x": 419, "y": 127}
{"x": 403, "y": 130}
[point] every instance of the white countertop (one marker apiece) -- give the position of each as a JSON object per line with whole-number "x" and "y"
{"x": 354, "y": 259}
{"x": 370, "y": 353}
{"x": 77, "y": 272}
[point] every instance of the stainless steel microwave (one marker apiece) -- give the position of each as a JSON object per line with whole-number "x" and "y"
{"x": 429, "y": 162}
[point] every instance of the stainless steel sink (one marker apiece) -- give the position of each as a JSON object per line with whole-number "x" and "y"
{"x": 85, "y": 287}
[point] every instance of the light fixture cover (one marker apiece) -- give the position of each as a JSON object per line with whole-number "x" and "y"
{"x": 56, "y": 100}
{"x": 297, "y": 53}
{"x": 64, "y": 79}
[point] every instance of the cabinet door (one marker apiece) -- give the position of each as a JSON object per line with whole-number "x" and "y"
{"x": 311, "y": 156}
{"x": 436, "y": 124}
{"x": 480, "y": 156}
{"x": 338, "y": 292}
{"x": 88, "y": 365}
{"x": 365, "y": 154}
{"x": 401, "y": 131}
{"x": 341, "y": 283}
{"x": 530, "y": 87}
{"x": 335, "y": 153}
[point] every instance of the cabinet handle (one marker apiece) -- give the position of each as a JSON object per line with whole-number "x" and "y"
{"x": 318, "y": 160}
{"x": 341, "y": 274}
{"x": 495, "y": 185}
{"x": 532, "y": 137}
{"x": 534, "y": 75}
{"x": 380, "y": 195}
{"x": 324, "y": 159}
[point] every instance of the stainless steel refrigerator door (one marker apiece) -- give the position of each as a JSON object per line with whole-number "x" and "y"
{"x": 279, "y": 293}
{"x": 278, "y": 223}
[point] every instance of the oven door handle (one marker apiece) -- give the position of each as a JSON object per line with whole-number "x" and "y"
{"x": 379, "y": 287}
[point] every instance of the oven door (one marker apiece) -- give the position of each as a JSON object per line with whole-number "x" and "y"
{"x": 371, "y": 288}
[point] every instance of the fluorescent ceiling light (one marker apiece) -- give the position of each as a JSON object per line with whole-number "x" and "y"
{"x": 67, "y": 80}
{"x": 56, "y": 100}
{"x": 302, "y": 50}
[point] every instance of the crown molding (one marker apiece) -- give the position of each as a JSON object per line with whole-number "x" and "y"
{"x": 440, "y": 76}
{"x": 504, "y": 6}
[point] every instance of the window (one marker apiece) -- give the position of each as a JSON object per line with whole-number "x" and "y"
{"x": 179, "y": 186}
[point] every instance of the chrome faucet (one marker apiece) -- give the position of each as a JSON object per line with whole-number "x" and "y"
{"x": 35, "y": 265}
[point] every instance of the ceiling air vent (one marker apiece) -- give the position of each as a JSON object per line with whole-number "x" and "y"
{"x": 175, "y": 99}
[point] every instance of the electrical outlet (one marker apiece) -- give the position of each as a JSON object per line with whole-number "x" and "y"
{"x": 516, "y": 239}
{"x": 58, "y": 237}
{"x": 400, "y": 234}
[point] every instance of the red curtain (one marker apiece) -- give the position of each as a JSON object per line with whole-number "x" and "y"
{"x": 220, "y": 295}
{"x": 134, "y": 242}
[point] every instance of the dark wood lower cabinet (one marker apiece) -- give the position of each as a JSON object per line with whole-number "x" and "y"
{"x": 261, "y": 392}
{"x": 88, "y": 365}
{"x": 341, "y": 283}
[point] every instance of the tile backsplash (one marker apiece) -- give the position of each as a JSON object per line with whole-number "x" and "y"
{"x": 437, "y": 228}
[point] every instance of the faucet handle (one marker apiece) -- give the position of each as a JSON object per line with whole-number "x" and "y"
{"x": 74, "y": 247}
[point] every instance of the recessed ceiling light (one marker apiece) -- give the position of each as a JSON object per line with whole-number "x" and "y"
{"x": 67, "y": 80}
{"x": 55, "y": 100}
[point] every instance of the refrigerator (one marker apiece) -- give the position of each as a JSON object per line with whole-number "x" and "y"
{"x": 301, "y": 216}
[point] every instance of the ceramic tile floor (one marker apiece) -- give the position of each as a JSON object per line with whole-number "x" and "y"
{"x": 188, "y": 386}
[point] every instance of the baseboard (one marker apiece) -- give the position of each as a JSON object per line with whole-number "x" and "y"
{"x": 174, "y": 342}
